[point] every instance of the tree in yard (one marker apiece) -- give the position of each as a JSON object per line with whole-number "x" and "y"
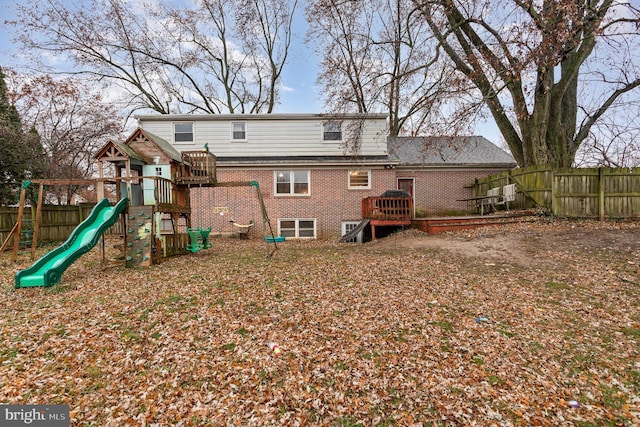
{"x": 20, "y": 152}
{"x": 616, "y": 143}
{"x": 380, "y": 56}
{"x": 549, "y": 71}
{"x": 218, "y": 56}
{"x": 73, "y": 122}
{"x": 266, "y": 27}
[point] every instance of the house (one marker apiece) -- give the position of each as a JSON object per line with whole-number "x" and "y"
{"x": 314, "y": 170}
{"x": 437, "y": 171}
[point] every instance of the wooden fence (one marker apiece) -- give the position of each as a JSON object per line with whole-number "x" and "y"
{"x": 56, "y": 223}
{"x": 573, "y": 193}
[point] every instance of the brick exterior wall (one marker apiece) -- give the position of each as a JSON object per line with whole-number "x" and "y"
{"x": 330, "y": 201}
{"x": 437, "y": 191}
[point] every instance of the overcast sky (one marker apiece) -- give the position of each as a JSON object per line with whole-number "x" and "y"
{"x": 299, "y": 93}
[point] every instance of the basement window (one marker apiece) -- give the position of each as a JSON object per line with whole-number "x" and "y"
{"x": 297, "y": 228}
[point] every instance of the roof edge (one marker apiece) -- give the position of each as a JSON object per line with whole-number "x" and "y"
{"x": 457, "y": 166}
{"x": 273, "y": 116}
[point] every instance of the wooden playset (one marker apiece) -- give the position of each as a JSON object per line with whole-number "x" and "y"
{"x": 156, "y": 180}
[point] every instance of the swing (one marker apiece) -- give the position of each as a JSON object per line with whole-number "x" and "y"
{"x": 243, "y": 229}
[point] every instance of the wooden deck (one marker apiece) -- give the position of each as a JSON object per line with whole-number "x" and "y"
{"x": 387, "y": 211}
{"x": 398, "y": 212}
{"x": 442, "y": 224}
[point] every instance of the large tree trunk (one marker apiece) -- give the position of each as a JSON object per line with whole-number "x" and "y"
{"x": 548, "y": 132}
{"x": 538, "y": 119}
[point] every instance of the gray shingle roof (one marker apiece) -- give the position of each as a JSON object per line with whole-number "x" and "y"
{"x": 128, "y": 151}
{"x": 460, "y": 150}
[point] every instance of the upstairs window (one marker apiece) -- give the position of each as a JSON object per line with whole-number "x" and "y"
{"x": 239, "y": 131}
{"x": 290, "y": 183}
{"x": 332, "y": 131}
{"x": 183, "y": 132}
{"x": 360, "y": 179}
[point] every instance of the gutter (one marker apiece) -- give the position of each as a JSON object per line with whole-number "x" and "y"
{"x": 457, "y": 166}
{"x": 255, "y": 117}
{"x": 316, "y": 164}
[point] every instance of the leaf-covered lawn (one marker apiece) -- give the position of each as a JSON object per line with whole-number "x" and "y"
{"x": 376, "y": 334}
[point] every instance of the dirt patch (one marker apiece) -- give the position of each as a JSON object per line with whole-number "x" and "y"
{"x": 527, "y": 243}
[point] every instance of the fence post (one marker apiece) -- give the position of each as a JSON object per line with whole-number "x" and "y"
{"x": 601, "y": 193}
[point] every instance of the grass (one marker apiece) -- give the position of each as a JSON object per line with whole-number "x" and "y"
{"x": 557, "y": 286}
{"x": 444, "y": 325}
{"x": 229, "y": 346}
{"x": 494, "y": 380}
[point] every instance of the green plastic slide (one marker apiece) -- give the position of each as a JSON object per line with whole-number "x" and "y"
{"x": 48, "y": 270}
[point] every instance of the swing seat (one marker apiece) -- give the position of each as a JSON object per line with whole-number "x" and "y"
{"x": 274, "y": 239}
{"x": 194, "y": 236}
{"x": 243, "y": 229}
{"x": 204, "y": 234}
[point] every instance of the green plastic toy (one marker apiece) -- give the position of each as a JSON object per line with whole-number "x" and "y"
{"x": 47, "y": 271}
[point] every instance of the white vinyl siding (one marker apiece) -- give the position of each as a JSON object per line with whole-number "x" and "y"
{"x": 297, "y": 228}
{"x": 300, "y": 136}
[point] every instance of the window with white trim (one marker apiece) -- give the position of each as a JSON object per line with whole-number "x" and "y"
{"x": 360, "y": 179}
{"x": 349, "y": 226}
{"x": 239, "y": 131}
{"x": 183, "y": 132}
{"x": 297, "y": 228}
{"x": 292, "y": 183}
{"x": 332, "y": 131}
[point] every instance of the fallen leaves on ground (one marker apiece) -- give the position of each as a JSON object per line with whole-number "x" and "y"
{"x": 374, "y": 334}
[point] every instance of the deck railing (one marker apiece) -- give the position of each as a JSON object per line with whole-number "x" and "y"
{"x": 387, "y": 208}
{"x": 198, "y": 167}
{"x": 166, "y": 194}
